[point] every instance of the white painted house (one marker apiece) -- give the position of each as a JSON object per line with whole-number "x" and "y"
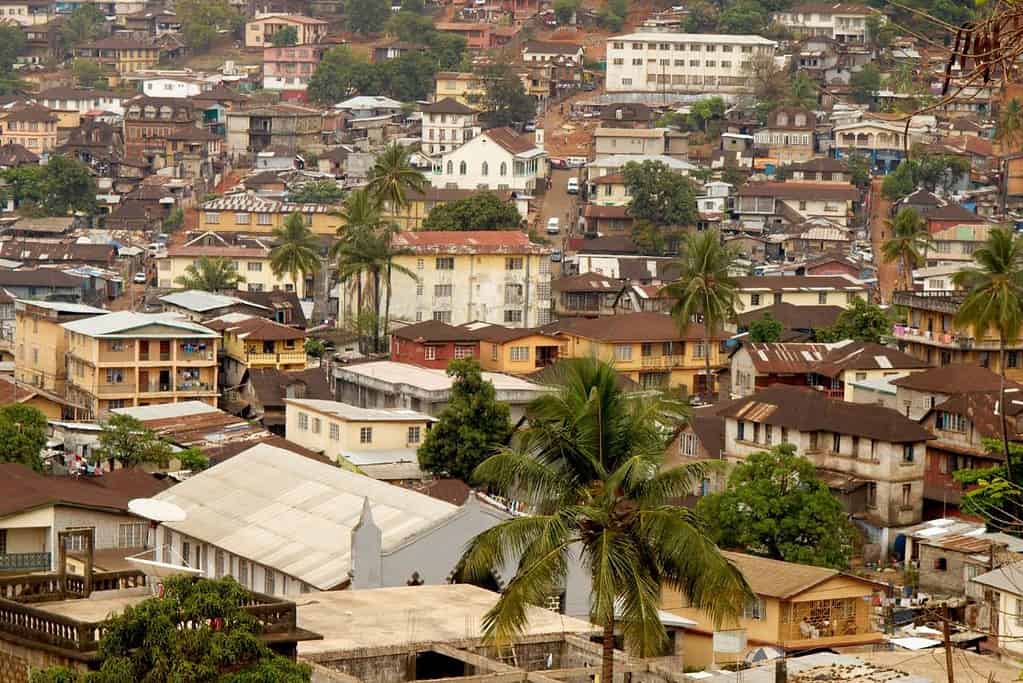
{"x": 81, "y": 100}
{"x": 171, "y": 87}
{"x": 447, "y": 124}
{"x": 497, "y": 159}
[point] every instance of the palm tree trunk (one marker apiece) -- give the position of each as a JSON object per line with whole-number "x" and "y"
{"x": 1002, "y": 408}
{"x": 387, "y": 307}
{"x": 358, "y": 313}
{"x": 607, "y": 657}
{"x": 376, "y": 310}
{"x": 706, "y": 359}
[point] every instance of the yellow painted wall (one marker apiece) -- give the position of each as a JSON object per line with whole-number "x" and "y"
{"x": 497, "y": 357}
{"x": 40, "y": 347}
{"x": 841, "y": 299}
{"x": 387, "y": 435}
{"x": 255, "y": 270}
{"x": 227, "y": 221}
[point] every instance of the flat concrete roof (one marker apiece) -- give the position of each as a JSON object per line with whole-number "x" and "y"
{"x": 385, "y": 617}
{"x": 103, "y": 604}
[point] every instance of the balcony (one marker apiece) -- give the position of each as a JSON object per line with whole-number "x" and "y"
{"x": 196, "y": 356}
{"x": 948, "y": 340}
{"x": 662, "y": 361}
{"x": 275, "y": 358}
{"x": 118, "y": 389}
{"x": 941, "y": 301}
{"x": 156, "y": 388}
{"x": 194, "y": 387}
{"x": 153, "y": 356}
{"x": 24, "y": 562}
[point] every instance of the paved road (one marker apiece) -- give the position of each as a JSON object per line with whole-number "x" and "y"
{"x": 559, "y": 203}
{"x": 887, "y": 273}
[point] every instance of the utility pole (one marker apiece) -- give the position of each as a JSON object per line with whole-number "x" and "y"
{"x": 945, "y": 628}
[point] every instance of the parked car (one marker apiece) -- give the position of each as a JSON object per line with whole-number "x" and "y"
{"x": 140, "y": 278}
{"x": 556, "y": 255}
{"x": 552, "y": 226}
{"x": 556, "y": 162}
{"x": 530, "y": 126}
{"x": 573, "y": 185}
{"x": 576, "y": 162}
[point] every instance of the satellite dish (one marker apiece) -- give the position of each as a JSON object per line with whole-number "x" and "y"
{"x": 156, "y": 510}
{"x": 162, "y": 570}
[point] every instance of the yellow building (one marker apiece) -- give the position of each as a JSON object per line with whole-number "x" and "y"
{"x": 799, "y": 290}
{"x": 648, "y": 348}
{"x": 609, "y": 190}
{"x": 32, "y": 126}
{"x": 127, "y": 359}
{"x": 412, "y": 215}
{"x": 367, "y": 438}
{"x": 123, "y": 55}
{"x": 248, "y": 213}
{"x": 251, "y": 342}
{"x": 50, "y": 405}
{"x": 797, "y": 607}
{"x": 251, "y": 261}
{"x": 40, "y": 342}
{"x": 517, "y": 351}
{"x": 464, "y": 87}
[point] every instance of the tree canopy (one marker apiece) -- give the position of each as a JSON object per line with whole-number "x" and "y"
{"x": 774, "y": 505}
{"x": 862, "y": 321}
{"x": 317, "y": 192}
{"x": 285, "y": 36}
{"x": 481, "y": 211}
{"x": 864, "y": 84}
{"x": 85, "y": 24}
{"x": 88, "y": 74}
{"x": 504, "y": 99}
{"x": 60, "y": 187}
{"x": 196, "y": 632}
{"x": 22, "y": 435}
{"x": 765, "y": 329}
{"x": 125, "y": 439}
{"x": 210, "y": 274}
{"x": 366, "y": 16}
{"x": 203, "y": 20}
{"x": 472, "y": 426}
{"x": 659, "y": 194}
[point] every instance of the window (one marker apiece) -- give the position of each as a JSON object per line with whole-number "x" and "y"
{"x": 504, "y": 168}
{"x": 741, "y": 431}
{"x": 623, "y": 352}
{"x": 303, "y": 421}
{"x": 335, "y": 431}
{"x": 1019, "y": 612}
{"x": 365, "y": 435}
{"x": 871, "y": 494}
{"x": 131, "y": 535}
{"x": 756, "y": 432}
{"x": 445, "y": 263}
{"x": 514, "y": 316}
{"x": 463, "y": 168}
{"x": 114, "y": 376}
{"x": 687, "y": 444}
{"x": 241, "y": 218}
{"x": 186, "y": 552}
{"x": 442, "y": 316}
{"x": 784, "y": 434}
{"x": 513, "y": 263}
{"x": 414, "y": 434}
{"x": 699, "y": 349}
{"x": 218, "y": 563}
{"x": 754, "y": 609}
{"x": 419, "y": 289}
{"x": 254, "y": 267}
{"x": 907, "y": 494}
{"x": 243, "y": 572}
{"x": 940, "y": 564}
{"x": 485, "y": 169}
{"x": 420, "y": 264}
{"x": 212, "y": 218}
{"x": 813, "y": 441}
{"x": 822, "y": 298}
{"x": 768, "y": 435}
{"x": 316, "y": 425}
{"x": 907, "y": 453}
{"x": 442, "y": 291}
{"x": 777, "y": 298}
{"x": 263, "y": 218}
{"x": 950, "y": 422}
{"x": 836, "y": 443}
{"x": 269, "y": 585}
{"x": 464, "y": 351}
{"x": 519, "y": 354}
{"x": 754, "y": 299}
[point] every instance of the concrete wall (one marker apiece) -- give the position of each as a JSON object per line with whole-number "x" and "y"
{"x": 17, "y": 662}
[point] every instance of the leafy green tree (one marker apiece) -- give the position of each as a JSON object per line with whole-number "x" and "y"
{"x": 991, "y": 492}
{"x": 859, "y": 170}
{"x": 125, "y": 439}
{"x": 802, "y": 92}
{"x": 409, "y": 26}
{"x": 1010, "y": 125}
{"x": 22, "y": 435}
{"x": 702, "y": 17}
{"x": 704, "y": 111}
{"x": 743, "y": 17}
{"x": 941, "y": 171}
{"x": 367, "y": 16}
{"x": 774, "y": 505}
{"x": 24, "y": 184}
{"x": 590, "y": 468}
{"x": 338, "y": 75}
{"x": 12, "y": 45}
{"x": 203, "y": 20}
{"x": 175, "y": 219}
{"x": 84, "y": 25}
{"x": 994, "y": 303}
{"x": 68, "y": 186}
{"x": 771, "y": 85}
{"x": 417, "y": 6}
{"x": 210, "y": 274}
{"x": 407, "y": 78}
{"x": 197, "y": 631}
{"x": 705, "y": 289}
{"x": 192, "y": 459}
{"x": 88, "y": 74}
{"x": 564, "y": 10}
{"x": 659, "y": 195}
{"x": 296, "y": 250}
{"x": 315, "y": 347}
{"x": 448, "y": 49}
{"x": 907, "y": 243}
{"x": 901, "y": 182}
{"x": 472, "y": 426}
{"x": 481, "y": 211}
{"x": 504, "y": 99}
{"x": 862, "y": 321}
{"x": 316, "y": 192}
{"x": 765, "y": 329}
{"x": 864, "y": 84}
{"x": 286, "y": 36}
{"x": 392, "y": 177}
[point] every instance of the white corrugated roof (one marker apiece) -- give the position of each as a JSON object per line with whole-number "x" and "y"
{"x": 122, "y": 323}
{"x": 63, "y": 307}
{"x": 346, "y": 411}
{"x": 165, "y": 410}
{"x": 200, "y": 301}
{"x": 431, "y": 379}
{"x": 295, "y": 514}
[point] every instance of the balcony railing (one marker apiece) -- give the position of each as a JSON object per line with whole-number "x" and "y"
{"x": 191, "y": 386}
{"x": 662, "y": 361}
{"x": 116, "y": 389}
{"x": 24, "y": 562}
{"x": 945, "y": 339}
{"x": 274, "y": 358}
{"x": 195, "y": 356}
{"x": 150, "y": 356}
{"x": 156, "y": 388}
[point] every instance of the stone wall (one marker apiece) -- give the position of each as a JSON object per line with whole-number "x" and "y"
{"x": 16, "y": 662}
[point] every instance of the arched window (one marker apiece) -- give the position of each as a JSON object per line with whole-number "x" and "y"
{"x": 485, "y": 170}
{"x": 504, "y": 168}
{"x": 451, "y": 168}
{"x": 463, "y": 168}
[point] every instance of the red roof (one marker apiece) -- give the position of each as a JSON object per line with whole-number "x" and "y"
{"x": 467, "y": 242}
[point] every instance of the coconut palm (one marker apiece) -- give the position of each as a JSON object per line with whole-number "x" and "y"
{"x": 907, "y": 244}
{"x": 994, "y": 301}
{"x": 392, "y": 177}
{"x": 297, "y": 251}
{"x": 705, "y": 288}
{"x": 210, "y": 274}
{"x": 589, "y": 468}
{"x": 1010, "y": 124}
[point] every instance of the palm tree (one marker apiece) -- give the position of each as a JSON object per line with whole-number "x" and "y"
{"x": 705, "y": 288}
{"x": 210, "y": 274}
{"x": 1010, "y": 124}
{"x": 297, "y": 250}
{"x": 589, "y": 467}
{"x": 392, "y": 176}
{"x": 907, "y": 244}
{"x": 994, "y": 301}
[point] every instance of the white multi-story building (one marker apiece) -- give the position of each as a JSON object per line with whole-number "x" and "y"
{"x": 843, "y": 21}
{"x": 683, "y": 62}
{"x": 447, "y": 125}
{"x": 497, "y": 159}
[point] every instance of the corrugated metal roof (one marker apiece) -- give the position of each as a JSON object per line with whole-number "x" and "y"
{"x": 346, "y": 411}
{"x": 294, "y": 514}
{"x": 122, "y": 323}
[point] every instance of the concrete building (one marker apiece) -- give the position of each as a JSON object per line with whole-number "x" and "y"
{"x": 380, "y": 442}
{"x": 459, "y": 86}
{"x": 148, "y": 120}
{"x": 246, "y": 212}
{"x": 288, "y": 69}
{"x": 788, "y": 135}
{"x": 499, "y": 159}
{"x": 40, "y": 342}
{"x": 121, "y": 55}
{"x": 252, "y": 342}
{"x": 288, "y": 128}
{"x": 799, "y": 290}
{"x": 32, "y": 126}
{"x": 640, "y": 142}
{"x": 48, "y": 284}
{"x": 285, "y": 524}
{"x": 447, "y": 124}
{"x": 1003, "y": 598}
{"x": 260, "y": 31}
{"x": 251, "y": 259}
{"x": 81, "y": 100}
{"x": 844, "y": 22}
{"x": 129, "y": 359}
{"x": 772, "y": 204}
{"x": 497, "y": 277}
{"x": 683, "y": 62}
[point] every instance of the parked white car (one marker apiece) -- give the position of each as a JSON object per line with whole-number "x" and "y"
{"x": 552, "y": 226}
{"x": 573, "y": 185}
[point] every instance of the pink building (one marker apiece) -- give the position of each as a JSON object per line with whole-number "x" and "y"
{"x": 288, "y": 69}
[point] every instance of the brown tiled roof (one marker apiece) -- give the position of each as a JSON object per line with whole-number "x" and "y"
{"x": 453, "y": 491}
{"x": 631, "y": 327}
{"x": 710, "y": 430}
{"x": 587, "y": 282}
{"x": 43, "y": 277}
{"x": 981, "y": 408}
{"x": 32, "y": 113}
{"x": 609, "y": 179}
{"x": 838, "y": 192}
{"x": 953, "y": 212}
{"x": 434, "y": 331}
{"x": 8, "y": 388}
{"x": 954, "y": 379}
{"x": 466, "y": 242}
{"x": 809, "y": 120}
{"x": 922, "y": 197}
{"x": 68, "y": 92}
{"x": 447, "y": 106}
{"x": 499, "y": 334}
{"x": 827, "y": 359}
{"x": 276, "y": 299}
{"x": 261, "y": 329}
{"x": 821, "y": 165}
{"x": 794, "y": 317}
{"x": 551, "y": 47}
{"x": 25, "y": 250}
{"x": 22, "y": 489}
{"x": 780, "y": 283}
{"x": 778, "y": 579}
{"x": 118, "y": 43}
{"x": 13, "y": 154}
{"x": 191, "y": 133}
{"x": 511, "y": 141}
{"x": 218, "y": 454}
{"x": 786, "y": 358}
{"x": 809, "y": 410}
{"x": 271, "y": 384}
{"x": 220, "y": 93}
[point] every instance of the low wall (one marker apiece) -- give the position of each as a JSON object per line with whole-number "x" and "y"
{"x": 17, "y": 662}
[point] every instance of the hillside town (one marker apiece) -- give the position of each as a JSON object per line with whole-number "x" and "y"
{"x": 494, "y": 341}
